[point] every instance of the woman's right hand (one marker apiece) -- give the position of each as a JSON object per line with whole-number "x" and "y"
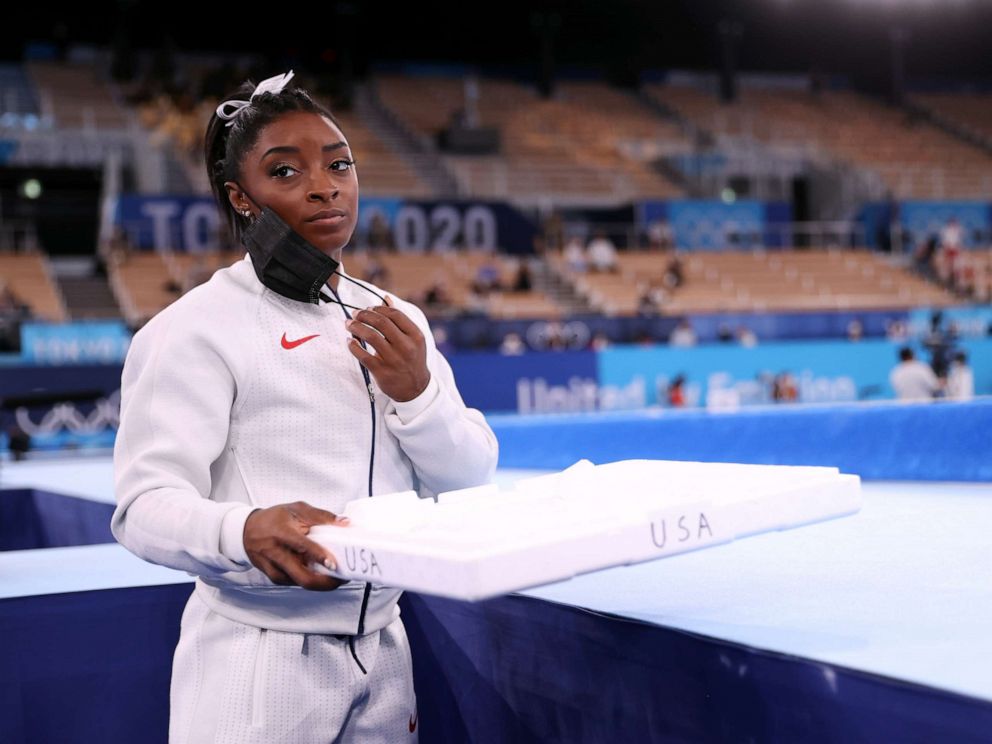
{"x": 277, "y": 544}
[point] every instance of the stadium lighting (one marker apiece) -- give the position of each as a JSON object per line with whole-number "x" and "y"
{"x": 31, "y": 188}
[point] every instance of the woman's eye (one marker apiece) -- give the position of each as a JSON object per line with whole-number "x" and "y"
{"x": 342, "y": 166}
{"x": 281, "y": 168}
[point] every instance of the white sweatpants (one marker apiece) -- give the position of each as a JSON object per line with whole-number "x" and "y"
{"x": 238, "y": 684}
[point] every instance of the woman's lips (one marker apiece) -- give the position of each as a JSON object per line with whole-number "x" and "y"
{"x": 329, "y": 221}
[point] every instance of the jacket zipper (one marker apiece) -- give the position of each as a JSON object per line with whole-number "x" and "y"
{"x": 368, "y": 585}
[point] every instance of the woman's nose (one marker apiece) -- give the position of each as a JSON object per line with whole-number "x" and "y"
{"x": 323, "y": 187}
{"x": 323, "y": 191}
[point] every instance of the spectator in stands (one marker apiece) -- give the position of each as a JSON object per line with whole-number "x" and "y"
{"x": 784, "y": 388}
{"x": 522, "y": 281}
{"x": 512, "y": 345}
{"x": 938, "y": 343}
{"x": 660, "y": 236}
{"x": 380, "y": 237}
{"x": 674, "y": 273}
{"x": 683, "y": 335}
{"x": 550, "y": 238}
{"x": 746, "y": 337}
{"x": 599, "y": 341}
{"x": 646, "y": 305}
{"x": 896, "y": 330}
{"x": 960, "y": 378}
{"x": 475, "y": 304}
{"x": 676, "y": 392}
{"x": 437, "y": 297}
{"x": 376, "y": 272}
{"x": 555, "y": 336}
{"x": 602, "y": 253}
{"x": 912, "y": 379}
{"x": 855, "y": 330}
{"x": 924, "y": 258}
{"x": 575, "y": 255}
{"x": 653, "y": 298}
{"x": 488, "y": 278}
{"x": 643, "y": 337}
{"x": 724, "y": 334}
{"x": 951, "y": 237}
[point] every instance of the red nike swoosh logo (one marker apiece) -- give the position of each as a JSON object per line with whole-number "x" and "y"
{"x": 287, "y": 344}
{"x": 413, "y": 721}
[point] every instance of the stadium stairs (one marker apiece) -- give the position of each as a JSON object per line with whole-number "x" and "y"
{"x": 948, "y": 124}
{"x": 420, "y": 154}
{"x": 87, "y": 295}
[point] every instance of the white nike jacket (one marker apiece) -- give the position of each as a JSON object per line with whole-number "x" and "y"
{"x": 226, "y": 408}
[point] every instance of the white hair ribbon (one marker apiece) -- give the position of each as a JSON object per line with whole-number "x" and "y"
{"x": 273, "y": 84}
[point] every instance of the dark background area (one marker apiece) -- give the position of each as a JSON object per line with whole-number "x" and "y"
{"x": 850, "y": 38}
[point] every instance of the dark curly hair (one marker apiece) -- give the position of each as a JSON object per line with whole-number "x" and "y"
{"x": 224, "y": 147}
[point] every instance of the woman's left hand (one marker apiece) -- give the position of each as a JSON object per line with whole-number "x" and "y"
{"x": 399, "y": 364}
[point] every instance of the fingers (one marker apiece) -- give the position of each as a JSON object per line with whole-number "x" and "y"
{"x": 383, "y": 347}
{"x": 311, "y": 515}
{"x": 273, "y": 571}
{"x": 400, "y": 319}
{"x": 368, "y": 360}
{"x": 390, "y": 322}
{"x": 385, "y": 325}
{"x": 277, "y": 543}
{"x": 300, "y": 574}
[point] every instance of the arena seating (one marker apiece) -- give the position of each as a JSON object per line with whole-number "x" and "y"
{"x": 588, "y": 143}
{"x": 971, "y": 110}
{"x": 916, "y": 160}
{"x": 792, "y": 280}
{"x": 140, "y": 284}
{"x": 381, "y": 171}
{"x": 147, "y": 282}
{"x": 28, "y": 277}
{"x": 75, "y": 96}
{"x": 411, "y": 275}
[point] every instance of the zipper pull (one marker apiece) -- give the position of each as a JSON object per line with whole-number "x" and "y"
{"x": 371, "y": 394}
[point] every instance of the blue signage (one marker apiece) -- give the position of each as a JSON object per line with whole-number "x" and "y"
{"x": 710, "y": 224}
{"x": 536, "y": 382}
{"x": 193, "y": 224}
{"x": 731, "y": 376}
{"x": 87, "y": 342}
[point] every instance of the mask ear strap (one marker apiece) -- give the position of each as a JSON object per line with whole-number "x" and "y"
{"x": 326, "y": 298}
{"x": 363, "y": 286}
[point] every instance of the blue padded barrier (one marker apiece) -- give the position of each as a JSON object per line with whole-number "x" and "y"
{"x": 31, "y": 519}
{"x": 943, "y": 441}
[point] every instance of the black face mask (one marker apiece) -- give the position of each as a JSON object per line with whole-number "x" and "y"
{"x": 284, "y": 261}
{"x": 288, "y": 264}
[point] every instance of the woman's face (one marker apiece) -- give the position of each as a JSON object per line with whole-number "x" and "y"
{"x": 299, "y": 167}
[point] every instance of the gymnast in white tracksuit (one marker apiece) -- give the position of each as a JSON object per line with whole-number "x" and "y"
{"x": 256, "y": 406}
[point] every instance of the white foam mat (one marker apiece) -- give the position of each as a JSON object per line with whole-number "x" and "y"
{"x": 483, "y": 542}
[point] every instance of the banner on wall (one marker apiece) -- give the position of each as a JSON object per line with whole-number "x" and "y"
{"x": 88, "y": 342}
{"x": 925, "y": 219}
{"x": 919, "y": 221}
{"x": 530, "y": 383}
{"x": 715, "y": 376}
{"x": 59, "y": 410}
{"x": 192, "y": 224}
{"x": 714, "y": 225}
{"x": 808, "y": 372}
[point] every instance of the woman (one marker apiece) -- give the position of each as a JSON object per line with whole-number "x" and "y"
{"x": 255, "y": 407}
